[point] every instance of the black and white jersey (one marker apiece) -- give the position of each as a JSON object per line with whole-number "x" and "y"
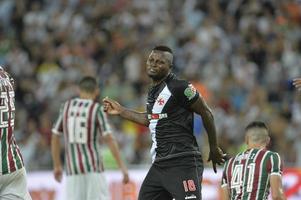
{"x": 171, "y": 120}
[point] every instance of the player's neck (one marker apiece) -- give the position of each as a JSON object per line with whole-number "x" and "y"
{"x": 86, "y": 96}
{"x": 256, "y": 146}
{"x": 157, "y": 82}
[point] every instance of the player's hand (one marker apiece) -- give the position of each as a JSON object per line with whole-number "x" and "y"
{"x": 126, "y": 178}
{"x": 217, "y": 157}
{"x": 111, "y": 106}
{"x": 297, "y": 83}
{"x": 58, "y": 174}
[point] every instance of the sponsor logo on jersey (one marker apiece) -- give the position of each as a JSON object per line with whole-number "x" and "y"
{"x": 157, "y": 116}
{"x": 190, "y": 91}
{"x": 190, "y": 197}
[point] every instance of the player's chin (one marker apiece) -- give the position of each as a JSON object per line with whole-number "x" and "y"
{"x": 152, "y": 75}
{"x": 155, "y": 76}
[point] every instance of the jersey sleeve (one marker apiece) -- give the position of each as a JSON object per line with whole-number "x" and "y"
{"x": 58, "y": 125}
{"x": 224, "y": 182}
{"x": 184, "y": 92}
{"x": 275, "y": 164}
{"x": 102, "y": 119}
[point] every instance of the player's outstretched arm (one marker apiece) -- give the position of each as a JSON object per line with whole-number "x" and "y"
{"x": 55, "y": 152}
{"x": 216, "y": 155}
{"x": 112, "y": 107}
{"x": 113, "y": 146}
{"x": 276, "y": 188}
{"x": 297, "y": 83}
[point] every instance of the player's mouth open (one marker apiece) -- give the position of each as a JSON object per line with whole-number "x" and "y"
{"x": 153, "y": 71}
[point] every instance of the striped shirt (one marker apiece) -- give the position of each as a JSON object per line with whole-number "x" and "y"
{"x": 247, "y": 175}
{"x": 82, "y": 122}
{"x": 10, "y": 156}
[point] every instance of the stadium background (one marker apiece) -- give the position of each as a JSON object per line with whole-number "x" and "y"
{"x": 240, "y": 54}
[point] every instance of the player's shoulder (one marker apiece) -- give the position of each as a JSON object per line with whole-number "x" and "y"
{"x": 173, "y": 81}
{"x": 98, "y": 106}
{"x": 232, "y": 158}
{"x": 177, "y": 85}
{"x": 69, "y": 101}
{"x": 270, "y": 152}
{"x": 3, "y": 72}
{"x": 65, "y": 104}
{"x": 239, "y": 156}
{"x": 273, "y": 153}
{"x": 74, "y": 101}
{"x": 4, "y": 75}
{"x": 229, "y": 162}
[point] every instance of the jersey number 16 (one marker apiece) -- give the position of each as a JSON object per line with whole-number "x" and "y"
{"x": 77, "y": 130}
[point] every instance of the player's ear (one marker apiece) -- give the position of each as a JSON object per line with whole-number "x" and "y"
{"x": 97, "y": 92}
{"x": 268, "y": 141}
{"x": 96, "y": 95}
{"x": 247, "y": 139}
{"x": 77, "y": 90}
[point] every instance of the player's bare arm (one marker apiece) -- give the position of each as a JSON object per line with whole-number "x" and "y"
{"x": 297, "y": 83}
{"x": 216, "y": 155}
{"x": 225, "y": 193}
{"x": 55, "y": 152}
{"x": 276, "y": 188}
{"x": 112, "y": 107}
{"x": 113, "y": 146}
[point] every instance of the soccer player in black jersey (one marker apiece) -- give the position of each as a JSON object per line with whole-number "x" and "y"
{"x": 177, "y": 166}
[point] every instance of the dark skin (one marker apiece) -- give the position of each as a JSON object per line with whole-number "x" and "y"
{"x": 158, "y": 67}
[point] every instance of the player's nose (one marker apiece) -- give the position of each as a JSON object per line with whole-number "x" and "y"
{"x": 154, "y": 66}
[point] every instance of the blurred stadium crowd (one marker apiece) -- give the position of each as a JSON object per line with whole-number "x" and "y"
{"x": 240, "y": 54}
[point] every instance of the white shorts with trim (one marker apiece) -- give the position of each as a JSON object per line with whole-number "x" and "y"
{"x": 91, "y": 186}
{"x": 13, "y": 186}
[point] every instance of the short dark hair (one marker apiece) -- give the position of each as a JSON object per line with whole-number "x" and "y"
{"x": 163, "y": 48}
{"x": 88, "y": 84}
{"x": 256, "y": 124}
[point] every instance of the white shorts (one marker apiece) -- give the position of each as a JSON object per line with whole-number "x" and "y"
{"x": 13, "y": 186}
{"x": 91, "y": 186}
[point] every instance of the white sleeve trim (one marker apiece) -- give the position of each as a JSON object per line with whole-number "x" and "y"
{"x": 276, "y": 174}
{"x": 224, "y": 185}
{"x": 107, "y": 132}
{"x": 56, "y": 132}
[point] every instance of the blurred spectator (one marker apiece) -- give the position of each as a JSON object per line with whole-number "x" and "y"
{"x": 241, "y": 54}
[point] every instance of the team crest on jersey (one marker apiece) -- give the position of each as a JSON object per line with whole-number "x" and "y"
{"x": 190, "y": 91}
{"x": 160, "y": 101}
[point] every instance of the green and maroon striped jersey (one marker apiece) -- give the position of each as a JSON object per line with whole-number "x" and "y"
{"x": 247, "y": 175}
{"x": 82, "y": 122}
{"x": 10, "y": 156}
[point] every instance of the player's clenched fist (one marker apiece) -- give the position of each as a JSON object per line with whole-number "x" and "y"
{"x": 297, "y": 83}
{"x": 111, "y": 106}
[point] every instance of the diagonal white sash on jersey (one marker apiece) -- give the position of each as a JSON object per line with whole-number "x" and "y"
{"x": 161, "y": 101}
